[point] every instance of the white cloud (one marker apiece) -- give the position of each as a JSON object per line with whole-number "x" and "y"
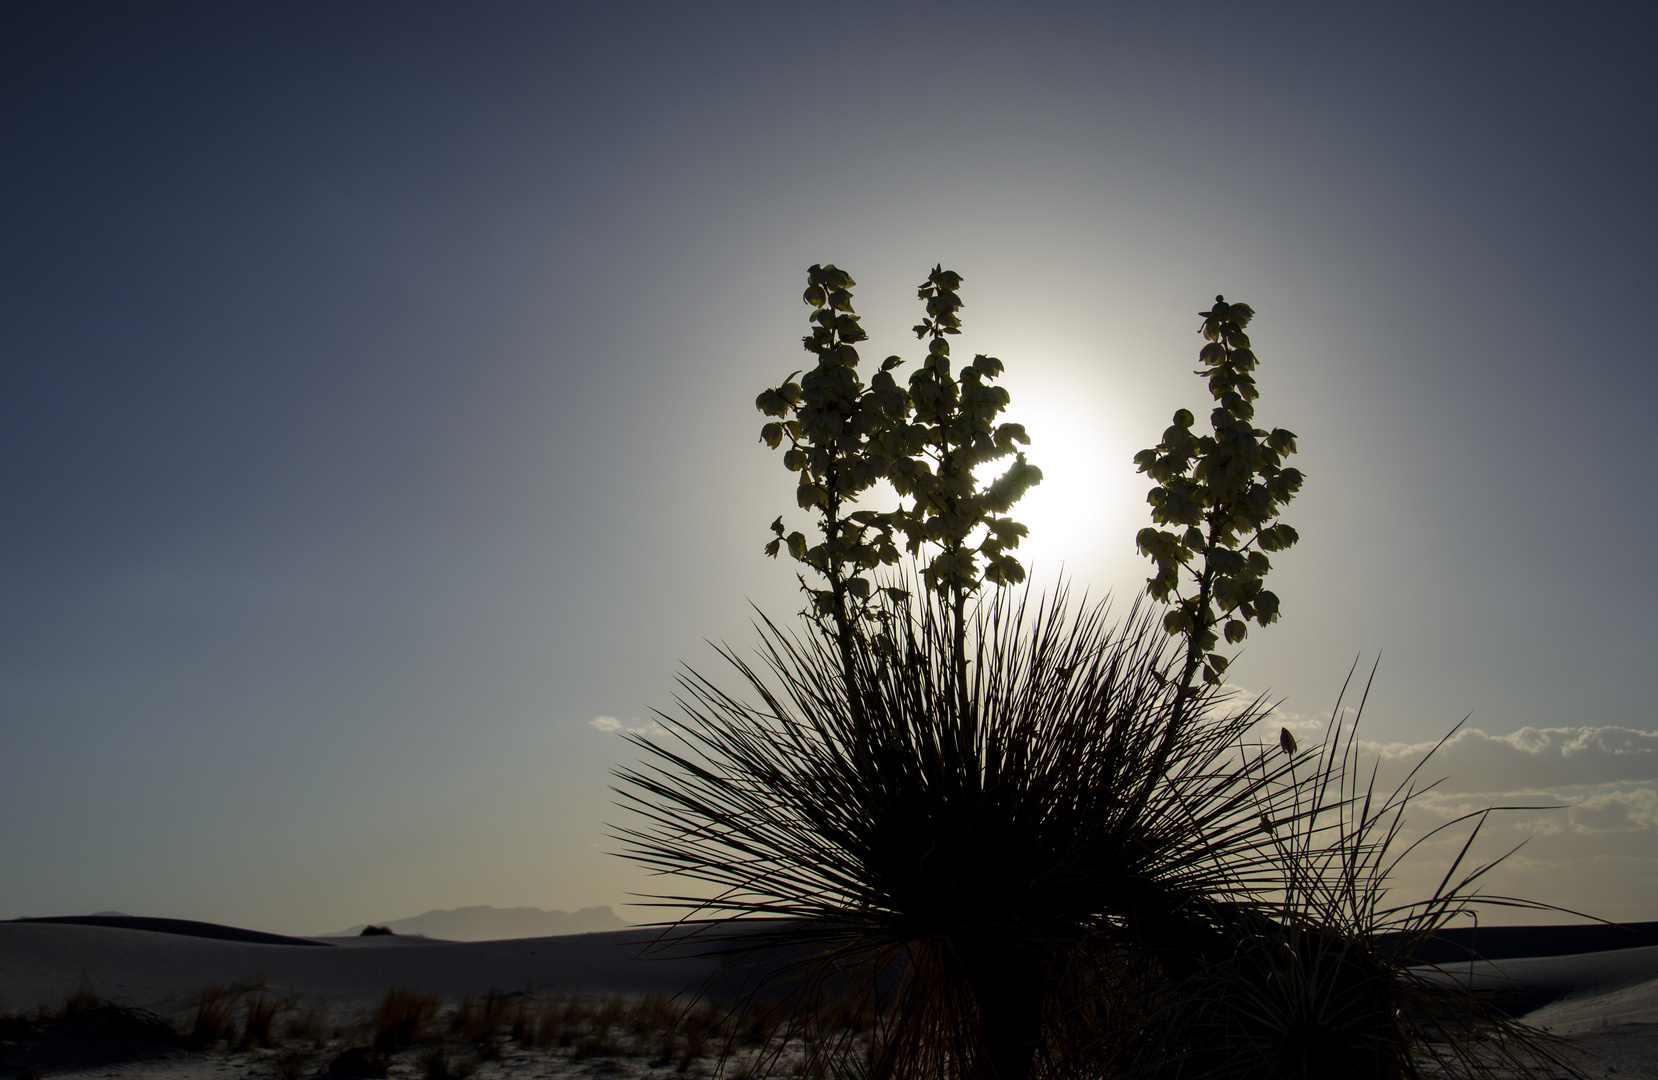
{"x": 1532, "y": 759}
{"x": 1597, "y": 853}
{"x": 610, "y": 723}
{"x": 1616, "y": 811}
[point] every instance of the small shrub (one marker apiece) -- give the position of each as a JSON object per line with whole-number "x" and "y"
{"x": 82, "y": 999}
{"x": 655, "y": 1021}
{"x": 600, "y": 1038}
{"x": 402, "y": 1017}
{"x": 258, "y": 1013}
{"x": 494, "y": 1013}
{"x": 118, "y": 1023}
{"x": 214, "y": 1006}
{"x": 554, "y": 1027}
{"x": 652, "y": 1013}
{"x": 480, "y": 1021}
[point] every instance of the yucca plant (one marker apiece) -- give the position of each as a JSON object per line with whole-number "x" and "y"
{"x": 966, "y": 874}
{"x": 1007, "y": 837}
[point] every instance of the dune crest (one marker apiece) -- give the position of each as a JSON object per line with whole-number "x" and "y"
{"x": 481, "y": 922}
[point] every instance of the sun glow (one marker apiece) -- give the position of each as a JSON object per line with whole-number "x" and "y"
{"x": 1083, "y": 514}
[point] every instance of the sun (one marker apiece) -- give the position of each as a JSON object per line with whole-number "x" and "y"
{"x": 1083, "y": 514}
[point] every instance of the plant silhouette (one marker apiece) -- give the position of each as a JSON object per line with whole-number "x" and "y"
{"x": 1022, "y": 838}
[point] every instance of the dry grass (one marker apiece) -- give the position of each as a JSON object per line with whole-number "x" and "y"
{"x": 699, "y": 1026}
{"x": 82, "y": 999}
{"x": 403, "y": 1017}
{"x": 653, "y": 1026}
{"x": 600, "y": 1038}
{"x": 523, "y": 1019}
{"x": 416, "y": 1034}
{"x": 258, "y": 1013}
{"x": 214, "y": 1008}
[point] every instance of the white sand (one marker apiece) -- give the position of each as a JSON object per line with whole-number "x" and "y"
{"x": 1608, "y": 1006}
{"x": 42, "y": 963}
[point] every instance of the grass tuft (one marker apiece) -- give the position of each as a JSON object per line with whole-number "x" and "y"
{"x": 258, "y": 1013}
{"x": 214, "y": 1007}
{"x": 402, "y": 1017}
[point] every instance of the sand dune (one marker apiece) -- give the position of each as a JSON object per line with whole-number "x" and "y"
{"x": 1586, "y": 992}
{"x": 1606, "y": 1003}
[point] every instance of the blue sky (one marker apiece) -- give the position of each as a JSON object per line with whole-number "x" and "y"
{"x": 376, "y": 392}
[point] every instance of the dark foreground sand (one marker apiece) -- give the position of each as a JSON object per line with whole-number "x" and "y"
{"x": 1606, "y": 1003}
{"x": 42, "y": 963}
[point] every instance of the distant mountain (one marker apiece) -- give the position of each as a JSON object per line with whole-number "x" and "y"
{"x": 483, "y": 923}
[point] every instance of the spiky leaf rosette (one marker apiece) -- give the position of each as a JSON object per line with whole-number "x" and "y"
{"x": 966, "y": 872}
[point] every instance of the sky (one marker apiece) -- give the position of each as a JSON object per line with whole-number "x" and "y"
{"x": 376, "y": 397}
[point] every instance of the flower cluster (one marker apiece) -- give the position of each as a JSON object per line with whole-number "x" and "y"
{"x": 1226, "y": 489}
{"x": 926, "y": 439}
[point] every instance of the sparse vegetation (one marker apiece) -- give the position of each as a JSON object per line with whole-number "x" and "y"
{"x": 30, "y": 1045}
{"x": 259, "y": 1011}
{"x": 403, "y": 1017}
{"x": 655, "y": 1031}
{"x": 214, "y": 1008}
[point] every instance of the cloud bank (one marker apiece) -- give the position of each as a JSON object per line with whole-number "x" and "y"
{"x": 1585, "y": 824}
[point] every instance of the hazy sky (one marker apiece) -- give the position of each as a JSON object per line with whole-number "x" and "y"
{"x": 377, "y": 380}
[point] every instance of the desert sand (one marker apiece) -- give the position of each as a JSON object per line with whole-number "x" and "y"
{"x": 1606, "y": 1003}
{"x": 42, "y": 963}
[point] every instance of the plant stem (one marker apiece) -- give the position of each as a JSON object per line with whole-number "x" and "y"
{"x": 845, "y": 632}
